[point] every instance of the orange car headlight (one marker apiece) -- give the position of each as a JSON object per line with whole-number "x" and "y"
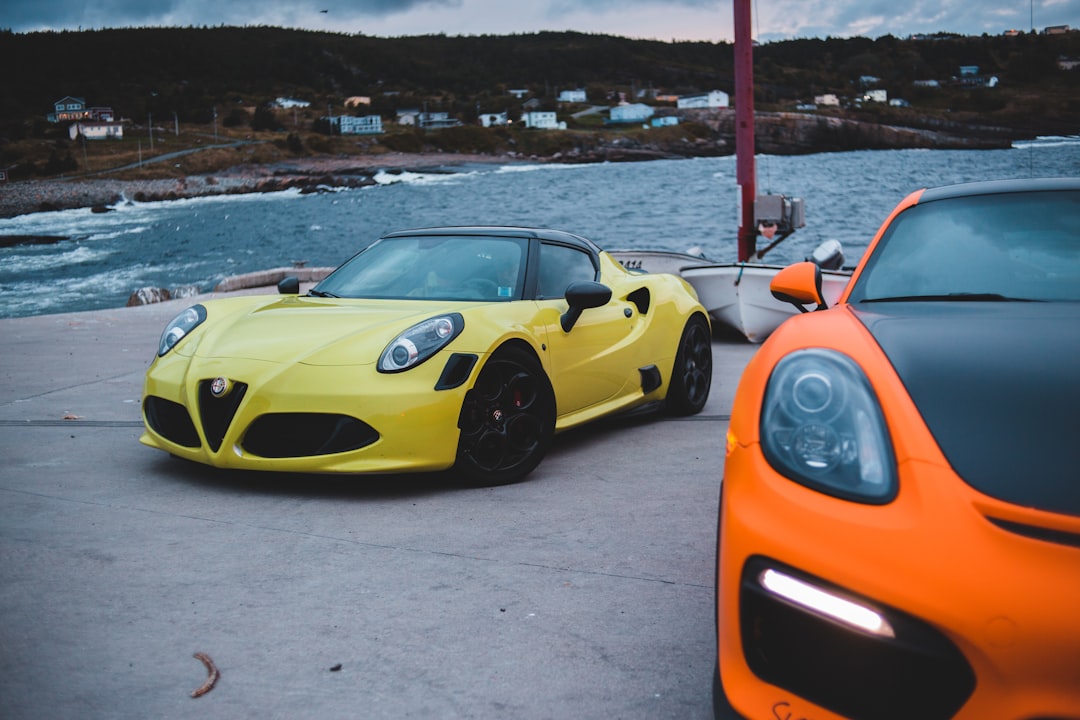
{"x": 822, "y": 426}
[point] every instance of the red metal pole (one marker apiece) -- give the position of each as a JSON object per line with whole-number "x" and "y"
{"x": 745, "y": 172}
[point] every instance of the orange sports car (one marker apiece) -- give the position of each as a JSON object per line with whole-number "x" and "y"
{"x": 899, "y": 524}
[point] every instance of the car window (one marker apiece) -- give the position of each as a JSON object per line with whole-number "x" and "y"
{"x": 479, "y": 268}
{"x": 559, "y": 267}
{"x": 1018, "y": 246}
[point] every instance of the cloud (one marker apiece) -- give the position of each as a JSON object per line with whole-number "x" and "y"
{"x": 660, "y": 19}
{"x": 25, "y": 15}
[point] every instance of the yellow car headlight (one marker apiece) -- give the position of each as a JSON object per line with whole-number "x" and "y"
{"x": 420, "y": 342}
{"x": 179, "y": 327}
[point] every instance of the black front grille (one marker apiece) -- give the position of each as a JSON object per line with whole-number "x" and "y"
{"x": 217, "y": 412}
{"x": 919, "y": 673}
{"x": 281, "y": 435}
{"x": 171, "y": 421}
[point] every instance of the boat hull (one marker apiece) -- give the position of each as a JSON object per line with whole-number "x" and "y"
{"x": 736, "y": 295}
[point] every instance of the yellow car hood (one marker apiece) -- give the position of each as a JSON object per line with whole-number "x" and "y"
{"x": 314, "y": 331}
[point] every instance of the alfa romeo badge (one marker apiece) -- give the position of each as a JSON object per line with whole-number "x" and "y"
{"x": 219, "y": 387}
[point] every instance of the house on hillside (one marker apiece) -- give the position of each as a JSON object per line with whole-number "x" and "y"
{"x": 878, "y": 96}
{"x": 96, "y": 130}
{"x": 542, "y": 120}
{"x": 407, "y": 116}
{"x": 828, "y": 100}
{"x": 664, "y": 121}
{"x": 72, "y": 109}
{"x": 494, "y": 119}
{"x": 631, "y": 113}
{"x": 713, "y": 99}
{"x": 286, "y": 103}
{"x": 357, "y": 101}
{"x": 356, "y": 125}
{"x": 572, "y": 96}
{"x": 66, "y": 109}
{"x": 436, "y": 120}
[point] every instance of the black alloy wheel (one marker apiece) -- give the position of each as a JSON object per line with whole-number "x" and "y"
{"x": 691, "y": 377}
{"x": 507, "y": 420}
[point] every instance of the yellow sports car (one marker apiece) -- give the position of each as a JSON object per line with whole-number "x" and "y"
{"x": 462, "y": 347}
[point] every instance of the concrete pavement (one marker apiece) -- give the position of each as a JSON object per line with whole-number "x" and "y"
{"x": 583, "y": 592}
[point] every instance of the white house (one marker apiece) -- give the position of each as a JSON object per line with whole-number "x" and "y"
{"x": 356, "y": 125}
{"x": 572, "y": 96}
{"x": 879, "y": 96}
{"x": 664, "y": 120}
{"x": 92, "y": 130}
{"x": 494, "y": 119}
{"x": 290, "y": 103}
{"x": 828, "y": 99}
{"x": 713, "y": 99}
{"x": 542, "y": 120}
{"x": 408, "y": 116}
{"x": 435, "y": 120}
{"x": 631, "y": 113}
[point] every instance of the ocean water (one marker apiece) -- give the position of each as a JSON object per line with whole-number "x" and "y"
{"x": 665, "y": 204}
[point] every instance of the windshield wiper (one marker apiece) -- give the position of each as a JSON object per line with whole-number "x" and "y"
{"x": 321, "y": 293}
{"x": 952, "y": 297}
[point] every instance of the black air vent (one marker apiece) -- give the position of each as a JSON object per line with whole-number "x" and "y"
{"x": 171, "y": 421}
{"x": 1061, "y": 537}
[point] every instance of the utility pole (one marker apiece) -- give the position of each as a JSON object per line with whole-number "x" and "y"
{"x": 150, "y": 127}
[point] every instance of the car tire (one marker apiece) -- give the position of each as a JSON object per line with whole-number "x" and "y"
{"x": 691, "y": 376}
{"x": 507, "y": 420}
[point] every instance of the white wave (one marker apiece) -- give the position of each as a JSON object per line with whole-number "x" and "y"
{"x": 503, "y": 169}
{"x": 1048, "y": 141}
{"x": 59, "y": 294}
{"x": 22, "y": 264}
{"x": 413, "y": 178}
{"x": 137, "y": 230}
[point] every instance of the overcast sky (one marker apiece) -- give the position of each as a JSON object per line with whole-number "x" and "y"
{"x": 656, "y": 19}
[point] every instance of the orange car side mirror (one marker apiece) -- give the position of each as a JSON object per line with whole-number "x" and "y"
{"x": 799, "y": 284}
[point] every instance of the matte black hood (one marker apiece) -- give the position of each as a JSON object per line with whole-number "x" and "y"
{"x": 998, "y": 385}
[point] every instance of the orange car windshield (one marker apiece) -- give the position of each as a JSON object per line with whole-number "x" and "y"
{"x": 1007, "y": 247}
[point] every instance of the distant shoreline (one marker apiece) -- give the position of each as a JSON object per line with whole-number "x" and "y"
{"x": 308, "y": 174}
{"x": 777, "y": 133}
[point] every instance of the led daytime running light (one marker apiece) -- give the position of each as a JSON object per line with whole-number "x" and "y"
{"x": 826, "y": 603}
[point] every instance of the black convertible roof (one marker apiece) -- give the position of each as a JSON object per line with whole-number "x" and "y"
{"x": 502, "y": 231}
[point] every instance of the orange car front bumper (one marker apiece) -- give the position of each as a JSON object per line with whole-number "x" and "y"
{"x": 982, "y": 600}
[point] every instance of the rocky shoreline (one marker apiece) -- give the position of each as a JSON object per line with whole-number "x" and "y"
{"x": 308, "y": 174}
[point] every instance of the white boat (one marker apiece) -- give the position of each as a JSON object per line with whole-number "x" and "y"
{"x": 736, "y": 295}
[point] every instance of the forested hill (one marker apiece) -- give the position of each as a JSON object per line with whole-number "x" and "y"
{"x": 190, "y": 71}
